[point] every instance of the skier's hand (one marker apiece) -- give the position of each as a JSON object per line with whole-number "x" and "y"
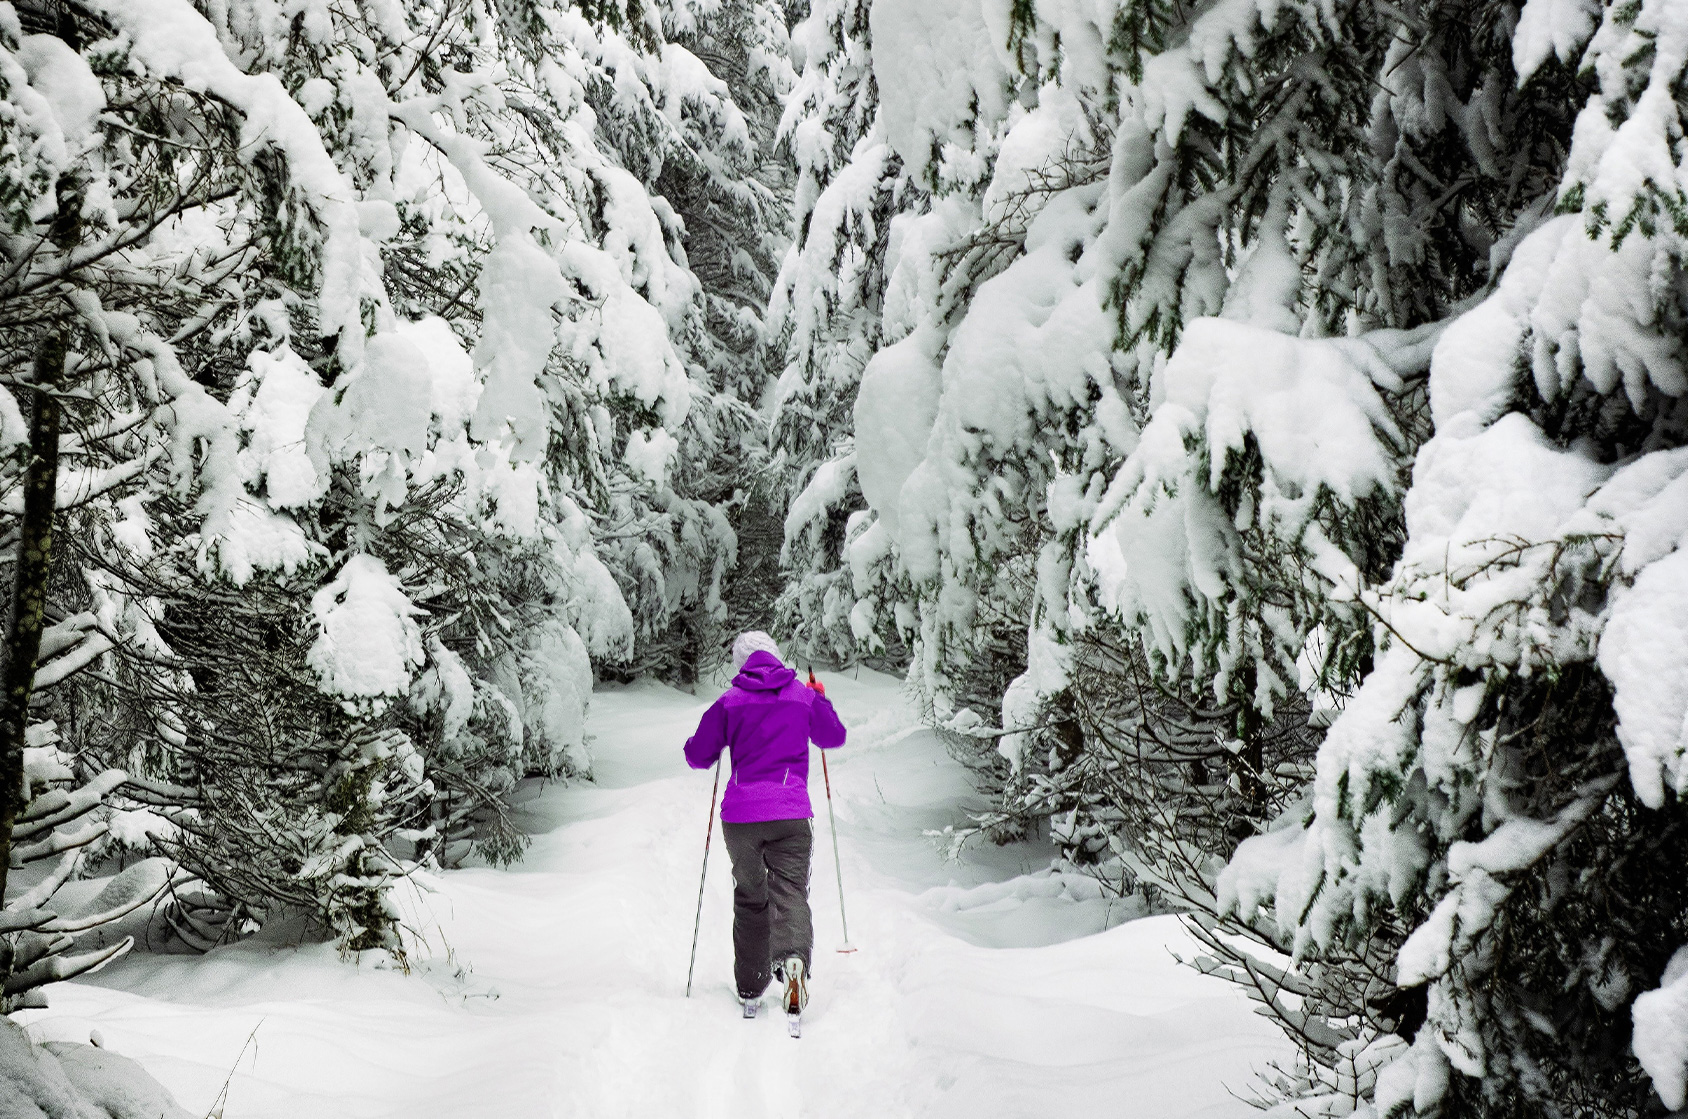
{"x": 815, "y": 685}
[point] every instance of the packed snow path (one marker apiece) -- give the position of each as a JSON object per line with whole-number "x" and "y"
{"x": 985, "y": 988}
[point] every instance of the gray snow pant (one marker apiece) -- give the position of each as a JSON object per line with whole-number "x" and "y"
{"x": 770, "y": 897}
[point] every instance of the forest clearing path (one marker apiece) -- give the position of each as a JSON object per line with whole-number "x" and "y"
{"x": 985, "y": 988}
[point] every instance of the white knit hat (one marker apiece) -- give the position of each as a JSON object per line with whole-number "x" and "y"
{"x": 752, "y": 641}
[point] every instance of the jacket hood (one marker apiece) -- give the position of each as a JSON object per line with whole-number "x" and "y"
{"x": 763, "y": 672}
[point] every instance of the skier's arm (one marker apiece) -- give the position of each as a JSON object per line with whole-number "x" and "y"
{"x": 711, "y": 738}
{"x": 824, "y": 726}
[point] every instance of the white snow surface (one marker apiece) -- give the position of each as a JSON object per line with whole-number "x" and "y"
{"x": 555, "y": 988}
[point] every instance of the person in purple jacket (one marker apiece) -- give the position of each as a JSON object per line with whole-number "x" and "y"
{"x": 766, "y": 721}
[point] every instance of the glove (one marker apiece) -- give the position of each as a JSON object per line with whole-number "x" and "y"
{"x": 815, "y": 685}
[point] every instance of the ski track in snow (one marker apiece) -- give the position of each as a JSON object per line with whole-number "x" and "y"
{"x": 982, "y": 988}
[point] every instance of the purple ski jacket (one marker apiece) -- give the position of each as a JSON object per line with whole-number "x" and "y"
{"x": 766, "y": 719}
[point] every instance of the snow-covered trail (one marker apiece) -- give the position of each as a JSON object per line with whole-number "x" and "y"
{"x": 555, "y": 988}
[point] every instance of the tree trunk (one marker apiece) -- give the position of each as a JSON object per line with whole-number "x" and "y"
{"x": 29, "y": 597}
{"x": 1247, "y": 763}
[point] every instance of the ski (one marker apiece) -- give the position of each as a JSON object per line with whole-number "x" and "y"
{"x": 794, "y": 1025}
{"x": 751, "y": 1006}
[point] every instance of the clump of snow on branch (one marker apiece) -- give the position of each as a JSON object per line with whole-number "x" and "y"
{"x": 369, "y": 643}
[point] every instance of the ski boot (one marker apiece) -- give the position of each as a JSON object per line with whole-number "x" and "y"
{"x": 795, "y": 993}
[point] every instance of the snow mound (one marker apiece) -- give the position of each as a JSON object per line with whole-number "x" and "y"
{"x": 60, "y": 1080}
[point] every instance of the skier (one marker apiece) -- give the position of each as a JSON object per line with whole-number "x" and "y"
{"x": 766, "y": 720}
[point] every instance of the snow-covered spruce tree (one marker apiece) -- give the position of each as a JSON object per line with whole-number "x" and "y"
{"x": 44, "y": 809}
{"x": 1496, "y": 820}
{"x": 827, "y": 313}
{"x": 686, "y": 97}
{"x": 96, "y": 426}
{"x": 1294, "y": 204}
{"x": 430, "y": 321}
{"x": 735, "y": 243}
{"x": 1097, "y": 181}
{"x": 735, "y": 236}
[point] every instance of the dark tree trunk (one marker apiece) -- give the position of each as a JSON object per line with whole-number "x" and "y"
{"x": 1247, "y": 763}
{"x": 29, "y": 597}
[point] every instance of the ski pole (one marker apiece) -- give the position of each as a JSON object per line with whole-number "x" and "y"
{"x": 704, "y": 877}
{"x": 837, "y": 866}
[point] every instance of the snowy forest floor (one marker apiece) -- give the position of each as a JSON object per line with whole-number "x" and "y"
{"x": 987, "y": 987}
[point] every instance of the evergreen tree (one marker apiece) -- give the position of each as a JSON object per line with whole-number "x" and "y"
{"x": 1177, "y": 340}
{"x": 827, "y": 313}
{"x": 1513, "y": 733}
{"x": 386, "y": 360}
